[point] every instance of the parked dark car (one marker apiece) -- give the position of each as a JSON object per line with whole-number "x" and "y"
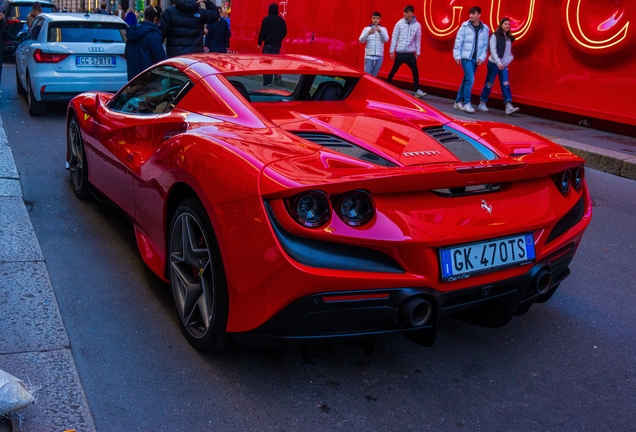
{"x": 15, "y": 14}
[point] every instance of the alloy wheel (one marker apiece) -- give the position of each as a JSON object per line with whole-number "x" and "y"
{"x": 191, "y": 275}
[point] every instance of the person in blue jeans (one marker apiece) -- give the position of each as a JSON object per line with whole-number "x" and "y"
{"x": 498, "y": 62}
{"x": 470, "y": 51}
{"x": 375, "y": 36}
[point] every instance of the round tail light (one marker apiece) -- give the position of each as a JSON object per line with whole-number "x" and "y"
{"x": 355, "y": 208}
{"x": 579, "y": 175}
{"x": 311, "y": 209}
{"x": 565, "y": 182}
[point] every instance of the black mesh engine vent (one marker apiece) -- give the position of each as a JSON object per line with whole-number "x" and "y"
{"x": 457, "y": 145}
{"x": 345, "y": 147}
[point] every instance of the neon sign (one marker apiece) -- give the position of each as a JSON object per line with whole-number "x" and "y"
{"x": 581, "y": 38}
{"x": 455, "y": 21}
{"x": 520, "y": 27}
{"x": 517, "y": 31}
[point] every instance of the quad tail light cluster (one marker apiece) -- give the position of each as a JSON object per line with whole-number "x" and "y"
{"x": 313, "y": 208}
{"x": 569, "y": 178}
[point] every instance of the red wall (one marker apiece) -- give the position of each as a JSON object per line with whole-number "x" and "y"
{"x": 575, "y": 56}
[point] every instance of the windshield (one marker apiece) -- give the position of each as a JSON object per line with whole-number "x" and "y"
{"x": 86, "y": 32}
{"x": 22, "y": 11}
{"x": 291, "y": 87}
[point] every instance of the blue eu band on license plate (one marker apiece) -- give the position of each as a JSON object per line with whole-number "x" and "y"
{"x": 463, "y": 261}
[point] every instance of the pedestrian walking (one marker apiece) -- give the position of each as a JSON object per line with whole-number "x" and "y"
{"x": 375, "y": 36}
{"x": 144, "y": 44}
{"x": 218, "y": 38}
{"x": 36, "y": 10}
{"x": 471, "y": 46}
{"x": 498, "y": 62}
{"x": 405, "y": 47}
{"x": 183, "y": 26}
{"x": 273, "y": 31}
{"x": 131, "y": 17}
{"x": 120, "y": 12}
{"x": 102, "y": 9}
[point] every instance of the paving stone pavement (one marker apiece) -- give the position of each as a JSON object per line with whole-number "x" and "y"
{"x": 34, "y": 345}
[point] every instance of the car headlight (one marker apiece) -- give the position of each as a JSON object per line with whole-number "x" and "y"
{"x": 355, "y": 208}
{"x": 311, "y": 209}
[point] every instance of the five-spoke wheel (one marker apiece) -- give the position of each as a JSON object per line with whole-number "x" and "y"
{"x": 197, "y": 278}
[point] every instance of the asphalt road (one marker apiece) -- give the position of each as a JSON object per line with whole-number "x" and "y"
{"x": 569, "y": 364}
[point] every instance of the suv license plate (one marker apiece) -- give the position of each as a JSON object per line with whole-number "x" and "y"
{"x": 463, "y": 261}
{"x": 95, "y": 61}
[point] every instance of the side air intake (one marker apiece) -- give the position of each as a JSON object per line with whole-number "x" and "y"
{"x": 345, "y": 147}
{"x": 463, "y": 147}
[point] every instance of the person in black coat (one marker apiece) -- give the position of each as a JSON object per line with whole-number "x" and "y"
{"x": 273, "y": 31}
{"x": 182, "y": 26}
{"x": 218, "y": 38}
{"x": 144, "y": 45}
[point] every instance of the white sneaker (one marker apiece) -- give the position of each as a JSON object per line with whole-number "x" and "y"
{"x": 468, "y": 108}
{"x": 420, "y": 94}
{"x": 482, "y": 106}
{"x": 458, "y": 106}
{"x": 511, "y": 109}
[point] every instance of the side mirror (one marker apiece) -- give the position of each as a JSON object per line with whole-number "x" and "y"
{"x": 22, "y": 36}
{"x": 90, "y": 105}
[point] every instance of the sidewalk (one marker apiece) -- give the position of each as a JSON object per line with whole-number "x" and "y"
{"x": 34, "y": 345}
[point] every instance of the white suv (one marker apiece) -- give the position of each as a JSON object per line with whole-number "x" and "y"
{"x": 65, "y": 54}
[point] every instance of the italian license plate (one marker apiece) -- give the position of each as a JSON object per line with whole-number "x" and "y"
{"x": 95, "y": 61}
{"x": 463, "y": 261}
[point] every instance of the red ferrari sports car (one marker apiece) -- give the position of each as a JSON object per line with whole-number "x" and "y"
{"x": 328, "y": 206}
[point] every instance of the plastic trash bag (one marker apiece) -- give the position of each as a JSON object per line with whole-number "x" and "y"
{"x": 13, "y": 393}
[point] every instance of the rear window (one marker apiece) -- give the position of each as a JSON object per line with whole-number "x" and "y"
{"x": 86, "y": 32}
{"x": 21, "y": 11}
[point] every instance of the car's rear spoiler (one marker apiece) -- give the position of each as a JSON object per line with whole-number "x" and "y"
{"x": 287, "y": 176}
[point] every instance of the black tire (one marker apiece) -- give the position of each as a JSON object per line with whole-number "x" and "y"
{"x": 36, "y": 108}
{"x": 18, "y": 85}
{"x": 197, "y": 278}
{"x": 78, "y": 165}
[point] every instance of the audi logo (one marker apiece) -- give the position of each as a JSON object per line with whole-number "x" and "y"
{"x": 96, "y": 49}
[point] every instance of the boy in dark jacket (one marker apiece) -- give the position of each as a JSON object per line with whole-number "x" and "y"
{"x": 273, "y": 31}
{"x": 182, "y": 26}
{"x": 144, "y": 44}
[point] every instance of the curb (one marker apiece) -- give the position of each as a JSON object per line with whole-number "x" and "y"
{"x": 34, "y": 343}
{"x": 609, "y": 161}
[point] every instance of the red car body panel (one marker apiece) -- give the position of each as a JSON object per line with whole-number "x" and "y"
{"x": 238, "y": 156}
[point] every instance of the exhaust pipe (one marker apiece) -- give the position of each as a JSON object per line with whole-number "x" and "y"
{"x": 543, "y": 282}
{"x": 415, "y": 311}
